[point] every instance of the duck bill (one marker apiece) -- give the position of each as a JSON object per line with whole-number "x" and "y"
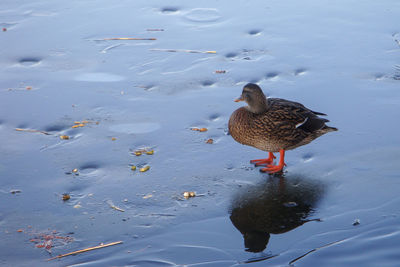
{"x": 239, "y": 99}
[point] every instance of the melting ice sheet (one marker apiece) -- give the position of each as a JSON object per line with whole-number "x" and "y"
{"x": 62, "y": 74}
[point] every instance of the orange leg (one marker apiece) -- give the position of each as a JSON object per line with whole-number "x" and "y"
{"x": 276, "y": 168}
{"x": 267, "y": 161}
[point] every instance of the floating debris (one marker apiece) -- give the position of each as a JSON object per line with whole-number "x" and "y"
{"x": 151, "y": 152}
{"x": 64, "y": 137}
{"x": 220, "y": 71}
{"x": 145, "y": 168}
{"x": 20, "y": 231}
{"x": 28, "y": 88}
{"x": 75, "y": 170}
{"x": 78, "y": 124}
{"x": 189, "y": 194}
{"x": 133, "y": 168}
{"x": 15, "y": 191}
{"x": 85, "y": 250}
{"x": 210, "y": 141}
{"x": 66, "y": 197}
{"x": 184, "y": 50}
{"x": 141, "y": 151}
{"x": 199, "y": 129}
{"x": 77, "y": 206}
{"x": 147, "y": 196}
{"x": 356, "y": 222}
{"x": 48, "y": 239}
{"x": 4, "y": 29}
{"x": 113, "y": 138}
{"x": 114, "y": 207}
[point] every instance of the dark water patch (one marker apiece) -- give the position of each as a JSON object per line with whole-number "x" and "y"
{"x": 300, "y": 71}
{"x": 207, "y": 83}
{"x": 90, "y": 166}
{"x": 378, "y": 76}
{"x": 212, "y": 117}
{"x": 29, "y": 61}
{"x": 307, "y": 157}
{"x": 169, "y": 10}
{"x": 254, "y": 32}
{"x": 56, "y": 127}
{"x": 231, "y": 55}
{"x": 272, "y": 75}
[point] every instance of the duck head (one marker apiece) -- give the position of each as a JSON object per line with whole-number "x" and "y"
{"x": 254, "y": 97}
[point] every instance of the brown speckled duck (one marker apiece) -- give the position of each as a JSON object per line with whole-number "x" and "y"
{"x": 274, "y": 124}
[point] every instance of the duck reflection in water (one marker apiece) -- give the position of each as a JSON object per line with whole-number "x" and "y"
{"x": 275, "y": 206}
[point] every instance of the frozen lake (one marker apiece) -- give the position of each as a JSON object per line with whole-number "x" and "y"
{"x": 63, "y": 74}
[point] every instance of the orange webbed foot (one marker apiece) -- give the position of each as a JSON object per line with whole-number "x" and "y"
{"x": 273, "y": 168}
{"x": 266, "y": 161}
{"x": 276, "y": 168}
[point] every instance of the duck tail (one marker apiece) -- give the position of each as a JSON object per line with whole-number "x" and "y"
{"x": 327, "y": 129}
{"x": 318, "y": 113}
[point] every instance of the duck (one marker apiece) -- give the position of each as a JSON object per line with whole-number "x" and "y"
{"x": 274, "y": 125}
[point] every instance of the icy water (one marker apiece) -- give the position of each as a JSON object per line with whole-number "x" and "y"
{"x": 337, "y": 204}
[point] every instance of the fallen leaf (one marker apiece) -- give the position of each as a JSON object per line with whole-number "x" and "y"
{"x": 144, "y": 169}
{"x": 189, "y": 194}
{"x": 151, "y": 152}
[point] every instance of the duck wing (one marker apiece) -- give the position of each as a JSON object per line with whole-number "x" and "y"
{"x": 292, "y": 104}
{"x": 288, "y": 114}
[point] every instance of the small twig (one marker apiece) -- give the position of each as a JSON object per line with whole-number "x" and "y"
{"x": 85, "y": 250}
{"x": 117, "y": 208}
{"x": 315, "y": 249}
{"x": 114, "y": 207}
{"x": 31, "y": 131}
{"x": 128, "y": 38}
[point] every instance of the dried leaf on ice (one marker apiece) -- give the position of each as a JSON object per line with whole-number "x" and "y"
{"x": 189, "y": 194}
{"x": 145, "y": 168}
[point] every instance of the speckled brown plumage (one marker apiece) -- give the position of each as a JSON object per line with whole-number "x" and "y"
{"x": 274, "y": 124}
